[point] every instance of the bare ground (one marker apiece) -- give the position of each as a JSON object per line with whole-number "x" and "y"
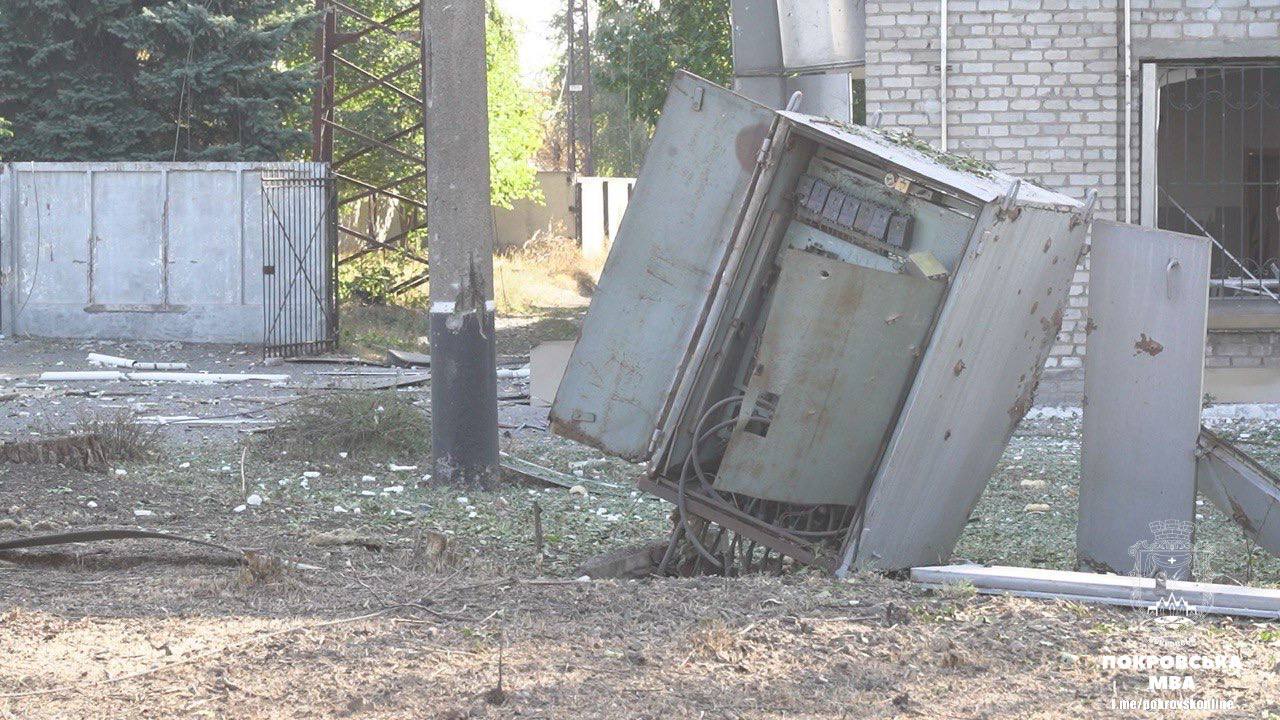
{"x": 396, "y": 628}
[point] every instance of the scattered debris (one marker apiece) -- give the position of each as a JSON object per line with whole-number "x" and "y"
{"x": 540, "y": 474}
{"x": 547, "y": 363}
{"x": 1154, "y": 594}
{"x": 113, "y": 361}
{"x": 406, "y": 358}
{"x": 157, "y": 376}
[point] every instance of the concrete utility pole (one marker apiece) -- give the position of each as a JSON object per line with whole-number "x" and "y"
{"x": 464, "y": 397}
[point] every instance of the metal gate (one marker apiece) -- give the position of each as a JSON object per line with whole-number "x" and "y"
{"x": 299, "y": 265}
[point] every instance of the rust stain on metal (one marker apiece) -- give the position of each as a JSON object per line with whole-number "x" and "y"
{"x": 1241, "y": 517}
{"x": 892, "y": 318}
{"x": 1147, "y": 345}
{"x": 1052, "y": 324}
{"x": 1035, "y": 306}
{"x": 959, "y": 367}
{"x": 1089, "y": 326}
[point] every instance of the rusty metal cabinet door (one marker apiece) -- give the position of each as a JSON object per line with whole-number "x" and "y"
{"x": 1144, "y": 363}
{"x": 663, "y": 269}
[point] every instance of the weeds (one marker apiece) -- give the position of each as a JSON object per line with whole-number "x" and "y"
{"x": 123, "y": 438}
{"x": 92, "y": 443}
{"x": 379, "y": 425}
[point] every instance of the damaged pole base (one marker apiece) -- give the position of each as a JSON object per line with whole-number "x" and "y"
{"x": 464, "y": 399}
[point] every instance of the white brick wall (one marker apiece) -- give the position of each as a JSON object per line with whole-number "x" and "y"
{"x": 1036, "y": 87}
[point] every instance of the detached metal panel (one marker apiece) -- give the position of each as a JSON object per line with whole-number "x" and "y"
{"x": 1148, "y": 308}
{"x": 1247, "y": 492}
{"x": 663, "y": 268}
{"x": 973, "y": 387}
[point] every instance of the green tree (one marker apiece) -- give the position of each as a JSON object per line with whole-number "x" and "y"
{"x": 515, "y": 117}
{"x": 150, "y": 79}
{"x": 637, "y": 46}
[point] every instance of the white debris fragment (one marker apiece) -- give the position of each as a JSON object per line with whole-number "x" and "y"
{"x": 1032, "y": 484}
{"x": 368, "y": 493}
{"x": 343, "y": 454}
{"x": 91, "y": 504}
{"x": 583, "y": 464}
{"x": 311, "y": 474}
{"x": 584, "y": 578}
{"x": 402, "y": 468}
{"x": 463, "y": 499}
{"x": 185, "y": 465}
{"x": 238, "y": 509}
{"x": 142, "y": 513}
{"x": 520, "y": 372}
{"x": 396, "y": 489}
{"x": 121, "y": 472}
{"x": 578, "y": 490}
{"x": 254, "y": 500}
{"x": 368, "y": 478}
{"x": 339, "y": 509}
{"x": 1036, "y": 508}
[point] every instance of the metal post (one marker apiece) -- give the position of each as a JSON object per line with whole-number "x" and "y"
{"x": 322, "y": 101}
{"x": 460, "y": 237}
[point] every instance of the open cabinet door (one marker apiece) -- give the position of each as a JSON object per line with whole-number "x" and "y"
{"x": 663, "y": 269}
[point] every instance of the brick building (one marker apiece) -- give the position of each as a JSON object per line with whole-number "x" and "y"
{"x": 1041, "y": 88}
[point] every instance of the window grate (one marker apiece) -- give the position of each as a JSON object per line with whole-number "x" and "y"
{"x": 1218, "y": 161}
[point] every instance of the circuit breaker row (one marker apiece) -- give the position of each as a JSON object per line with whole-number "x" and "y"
{"x": 832, "y": 209}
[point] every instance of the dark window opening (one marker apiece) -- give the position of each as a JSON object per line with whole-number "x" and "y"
{"x": 1218, "y": 165}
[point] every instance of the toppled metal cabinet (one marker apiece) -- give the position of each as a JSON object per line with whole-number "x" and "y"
{"x": 818, "y": 336}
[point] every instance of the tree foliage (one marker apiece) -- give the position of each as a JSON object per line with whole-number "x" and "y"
{"x": 515, "y": 117}
{"x": 637, "y": 47}
{"x": 150, "y": 79}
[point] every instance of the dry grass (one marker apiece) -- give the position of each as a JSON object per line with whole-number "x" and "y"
{"x": 366, "y": 425}
{"x": 545, "y": 272}
{"x": 123, "y": 438}
{"x": 94, "y": 442}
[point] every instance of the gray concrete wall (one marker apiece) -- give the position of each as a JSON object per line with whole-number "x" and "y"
{"x": 1036, "y": 87}
{"x": 136, "y": 250}
{"x": 550, "y": 216}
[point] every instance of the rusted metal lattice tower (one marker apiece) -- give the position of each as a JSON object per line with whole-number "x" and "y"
{"x": 578, "y": 124}
{"x": 367, "y": 124}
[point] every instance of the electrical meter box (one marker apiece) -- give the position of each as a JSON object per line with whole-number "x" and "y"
{"x": 818, "y": 337}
